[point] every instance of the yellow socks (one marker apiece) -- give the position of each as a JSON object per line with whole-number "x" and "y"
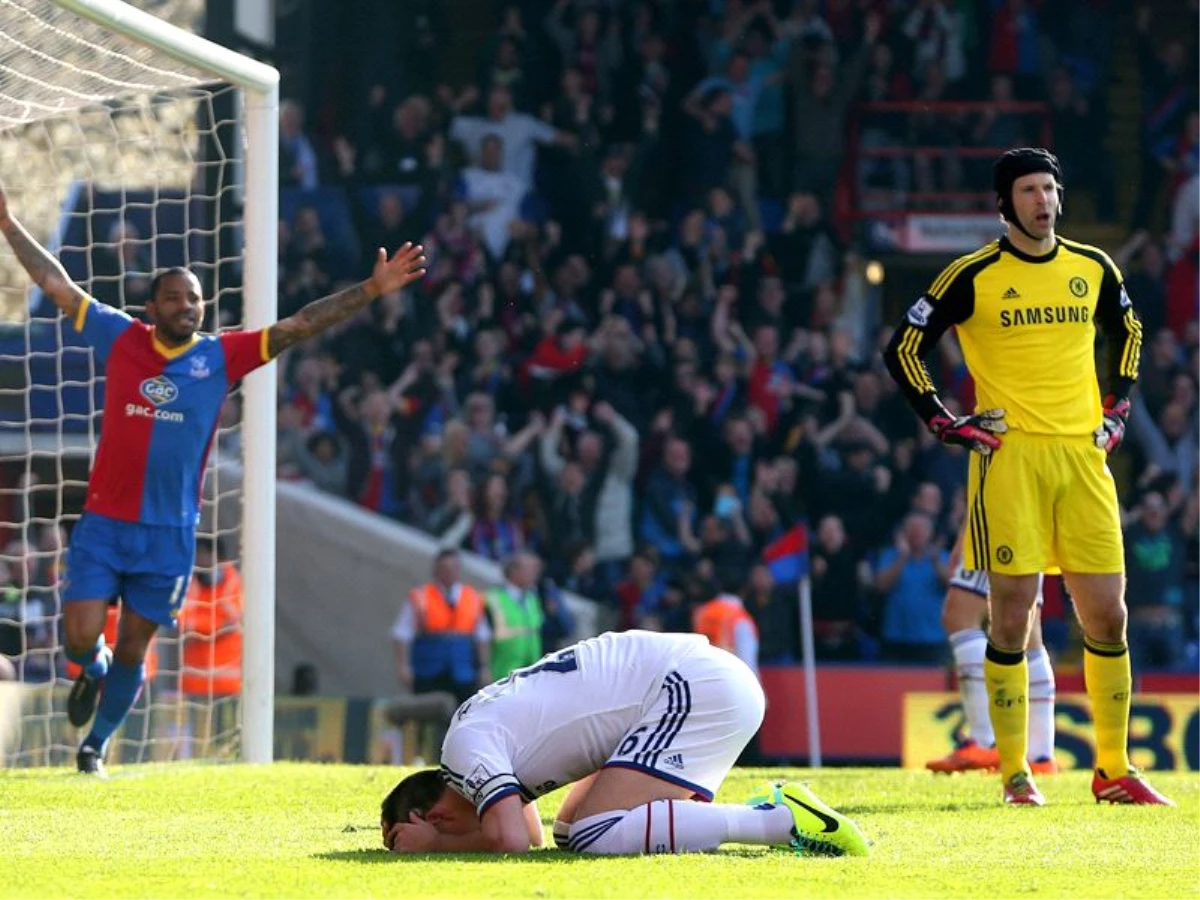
{"x": 1007, "y": 675}
{"x": 1109, "y": 685}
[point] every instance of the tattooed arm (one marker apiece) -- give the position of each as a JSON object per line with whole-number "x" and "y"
{"x": 46, "y": 271}
{"x": 390, "y": 275}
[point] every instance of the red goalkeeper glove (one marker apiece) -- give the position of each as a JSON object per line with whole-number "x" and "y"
{"x": 977, "y": 432}
{"x": 1112, "y": 428}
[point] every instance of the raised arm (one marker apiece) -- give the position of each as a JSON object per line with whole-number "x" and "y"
{"x": 887, "y": 576}
{"x": 516, "y": 444}
{"x": 623, "y": 463}
{"x": 552, "y": 461}
{"x": 46, "y": 271}
{"x": 405, "y": 267}
{"x": 851, "y": 76}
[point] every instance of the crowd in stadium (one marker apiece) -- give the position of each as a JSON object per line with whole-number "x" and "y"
{"x": 644, "y": 348}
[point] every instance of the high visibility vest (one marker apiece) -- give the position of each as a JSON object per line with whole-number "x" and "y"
{"x": 110, "y": 638}
{"x": 516, "y": 629}
{"x": 210, "y": 626}
{"x": 445, "y": 641}
{"x": 436, "y": 614}
{"x": 718, "y": 619}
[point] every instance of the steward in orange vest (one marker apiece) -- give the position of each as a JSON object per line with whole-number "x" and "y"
{"x": 210, "y": 627}
{"x": 726, "y": 624}
{"x": 442, "y": 636}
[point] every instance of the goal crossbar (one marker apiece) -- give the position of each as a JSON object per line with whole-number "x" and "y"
{"x": 193, "y": 50}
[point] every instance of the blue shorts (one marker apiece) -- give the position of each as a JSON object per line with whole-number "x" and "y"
{"x": 147, "y": 566}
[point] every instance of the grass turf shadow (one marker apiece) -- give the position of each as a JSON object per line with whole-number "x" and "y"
{"x": 373, "y": 856}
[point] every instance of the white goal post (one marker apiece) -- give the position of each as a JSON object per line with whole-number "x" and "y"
{"x": 26, "y": 102}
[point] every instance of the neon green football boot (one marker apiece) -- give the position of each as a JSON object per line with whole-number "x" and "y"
{"x": 817, "y": 829}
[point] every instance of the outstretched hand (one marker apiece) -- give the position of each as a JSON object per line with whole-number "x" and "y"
{"x": 405, "y": 267}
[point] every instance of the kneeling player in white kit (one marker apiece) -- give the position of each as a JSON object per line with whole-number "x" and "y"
{"x": 963, "y": 615}
{"x": 642, "y": 725}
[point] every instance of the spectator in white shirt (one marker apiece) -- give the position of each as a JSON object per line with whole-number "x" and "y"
{"x": 518, "y": 134}
{"x": 493, "y": 196}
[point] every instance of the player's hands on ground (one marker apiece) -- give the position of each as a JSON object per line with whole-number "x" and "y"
{"x": 405, "y": 267}
{"x": 1112, "y": 428}
{"x": 977, "y": 432}
{"x": 414, "y": 836}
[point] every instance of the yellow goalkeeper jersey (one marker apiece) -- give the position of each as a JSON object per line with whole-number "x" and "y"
{"x": 1028, "y": 327}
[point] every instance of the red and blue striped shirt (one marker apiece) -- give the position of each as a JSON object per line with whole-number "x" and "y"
{"x": 161, "y": 406}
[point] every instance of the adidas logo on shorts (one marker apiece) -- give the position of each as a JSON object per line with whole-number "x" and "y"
{"x": 675, "y": 760}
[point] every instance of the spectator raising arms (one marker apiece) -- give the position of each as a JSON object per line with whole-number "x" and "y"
{"x": 648, "y": 345}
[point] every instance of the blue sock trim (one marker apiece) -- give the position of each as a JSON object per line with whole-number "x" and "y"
{"x": 94, "y": 662}
{"x": 82, "y": 659}
{"x": 98, "y": 667}
{"x": 121, "y": 689}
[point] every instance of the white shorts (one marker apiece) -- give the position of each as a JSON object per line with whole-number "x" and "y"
{"x": 977, "y": 582}
{"x": 693, "y": 731}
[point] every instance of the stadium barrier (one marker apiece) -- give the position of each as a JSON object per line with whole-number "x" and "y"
{"x": 890, "y": 142}
{"x": 890, "y": 715}
{"x": 887, "y": 724}
{"x": 866, "y": 729}
{"x": 1164, "y": 730}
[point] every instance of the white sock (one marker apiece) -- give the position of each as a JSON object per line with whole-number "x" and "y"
{"x": 1041, "y": 705}
{"x": 679, "y": 826}
{"x": 969, "y": 646}
{"x": 562, "y": 834}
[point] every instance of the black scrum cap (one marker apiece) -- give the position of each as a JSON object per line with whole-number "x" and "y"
{"x": 1022, "y": 161}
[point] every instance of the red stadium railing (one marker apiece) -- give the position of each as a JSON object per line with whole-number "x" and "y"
{"x": 912, "y": 162}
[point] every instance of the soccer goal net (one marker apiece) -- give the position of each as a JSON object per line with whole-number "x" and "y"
{"x": 128, "y": 145}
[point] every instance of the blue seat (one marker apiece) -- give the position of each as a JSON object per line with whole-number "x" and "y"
{"x": 336, "y": 221}
{"x": 771, "y": 211}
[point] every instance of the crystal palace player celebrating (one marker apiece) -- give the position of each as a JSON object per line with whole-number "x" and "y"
{"x": 1027, "y": 307}
{"x": 641, "y": 725}
{"x": 165, "y": 387}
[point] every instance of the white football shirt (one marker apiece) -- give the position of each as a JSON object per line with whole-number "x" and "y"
{"x": 560, "y": 719}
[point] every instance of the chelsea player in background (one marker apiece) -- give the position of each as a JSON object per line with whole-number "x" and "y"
{"x": 165, "y": 386}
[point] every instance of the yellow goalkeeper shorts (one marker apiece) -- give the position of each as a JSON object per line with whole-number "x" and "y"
{"x": 1043, "y": 503}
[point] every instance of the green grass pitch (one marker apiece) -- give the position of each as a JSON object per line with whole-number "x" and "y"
{"x": 300, "y": 830}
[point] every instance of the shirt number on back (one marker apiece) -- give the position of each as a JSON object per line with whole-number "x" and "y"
{"x": 561, "y": 662}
